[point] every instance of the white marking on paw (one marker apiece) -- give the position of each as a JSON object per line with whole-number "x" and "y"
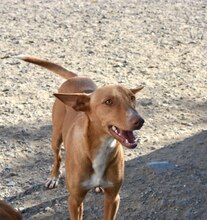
{"x": 52, "y": 182}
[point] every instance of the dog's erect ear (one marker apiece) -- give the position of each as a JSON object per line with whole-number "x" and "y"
{"x": 78, "y": 101}
{"x": 137, "y": 89}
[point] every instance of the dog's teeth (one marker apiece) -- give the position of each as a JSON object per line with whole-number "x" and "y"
{"x": 114, "y": 129}
{"x": 126, "y": 141}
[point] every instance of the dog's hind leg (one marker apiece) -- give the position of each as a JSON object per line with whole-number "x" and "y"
{"x": 54, "y": 177}
{"x": 58, "y": 117}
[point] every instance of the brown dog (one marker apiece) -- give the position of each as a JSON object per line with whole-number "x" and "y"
{"x": 8, "y": 213}
{"x": 93, "y": 123}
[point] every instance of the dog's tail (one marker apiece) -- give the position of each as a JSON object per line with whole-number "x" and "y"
{"x": 48, "y": 65}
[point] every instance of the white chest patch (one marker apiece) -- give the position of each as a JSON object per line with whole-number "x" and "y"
{"x": 99, "y": 166}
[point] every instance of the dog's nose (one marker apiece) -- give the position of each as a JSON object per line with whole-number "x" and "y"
{"x": 137, "y": 121}
{"x": 140, "y": 123}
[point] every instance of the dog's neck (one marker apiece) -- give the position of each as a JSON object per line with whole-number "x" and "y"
{"x": 101, "y": 149}
{"x": 97, "y": 137}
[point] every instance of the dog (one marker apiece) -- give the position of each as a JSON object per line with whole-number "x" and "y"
{"x": 8, "y": 213}
{"x": 93, "y": 123}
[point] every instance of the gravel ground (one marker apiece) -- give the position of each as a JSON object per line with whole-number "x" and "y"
{"x": 160, "y": 44}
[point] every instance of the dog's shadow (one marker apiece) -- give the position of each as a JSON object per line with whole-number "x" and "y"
{"x": 146, "y": 194}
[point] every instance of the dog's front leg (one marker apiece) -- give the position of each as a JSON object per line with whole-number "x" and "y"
{"x": 111, "y": 205}
{"x": 75, "y": 205}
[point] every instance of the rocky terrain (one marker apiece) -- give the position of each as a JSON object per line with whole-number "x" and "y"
{"x": 160, "y": 44}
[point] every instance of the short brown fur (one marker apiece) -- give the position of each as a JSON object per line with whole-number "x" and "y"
{"x": 84, "y": 118}
{"x": 8, "y": 213}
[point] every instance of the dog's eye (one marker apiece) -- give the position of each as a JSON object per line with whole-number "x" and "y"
{"x": 109, "y": 102}
{"x": 133, "y": 98}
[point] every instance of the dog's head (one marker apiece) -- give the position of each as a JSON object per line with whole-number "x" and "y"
{"x": 112, "y": 108}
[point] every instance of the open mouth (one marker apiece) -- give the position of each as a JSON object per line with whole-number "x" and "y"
{"x": 126, "y": 138}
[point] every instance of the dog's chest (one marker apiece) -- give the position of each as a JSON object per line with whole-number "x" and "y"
{"x": 99, "y": 165}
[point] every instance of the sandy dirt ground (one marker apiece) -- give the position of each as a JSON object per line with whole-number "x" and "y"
{"x": 161, "y": 44}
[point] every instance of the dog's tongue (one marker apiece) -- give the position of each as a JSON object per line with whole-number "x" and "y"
{"x": 128, "y": 138}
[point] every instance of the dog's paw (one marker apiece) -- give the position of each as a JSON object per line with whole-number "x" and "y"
{"x": 99, "y": 189}
{"x": 52, "y": 182}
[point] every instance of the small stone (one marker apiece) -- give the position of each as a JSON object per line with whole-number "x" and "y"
{"x": 146, "y": 102}
{"x": 12, "y": 174}
{"x": 161, "y": 166}
{"x": 6, "y": 90}
{"x": 11, "y": 183}
{"x": 90, "y": 52}
{"x": 10, "y": 154}
{"x": 48, "y": 209}
{"x": 5, "y": 142}
{"x": 187, "y": 124}
{"x": 21, "y": 208}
